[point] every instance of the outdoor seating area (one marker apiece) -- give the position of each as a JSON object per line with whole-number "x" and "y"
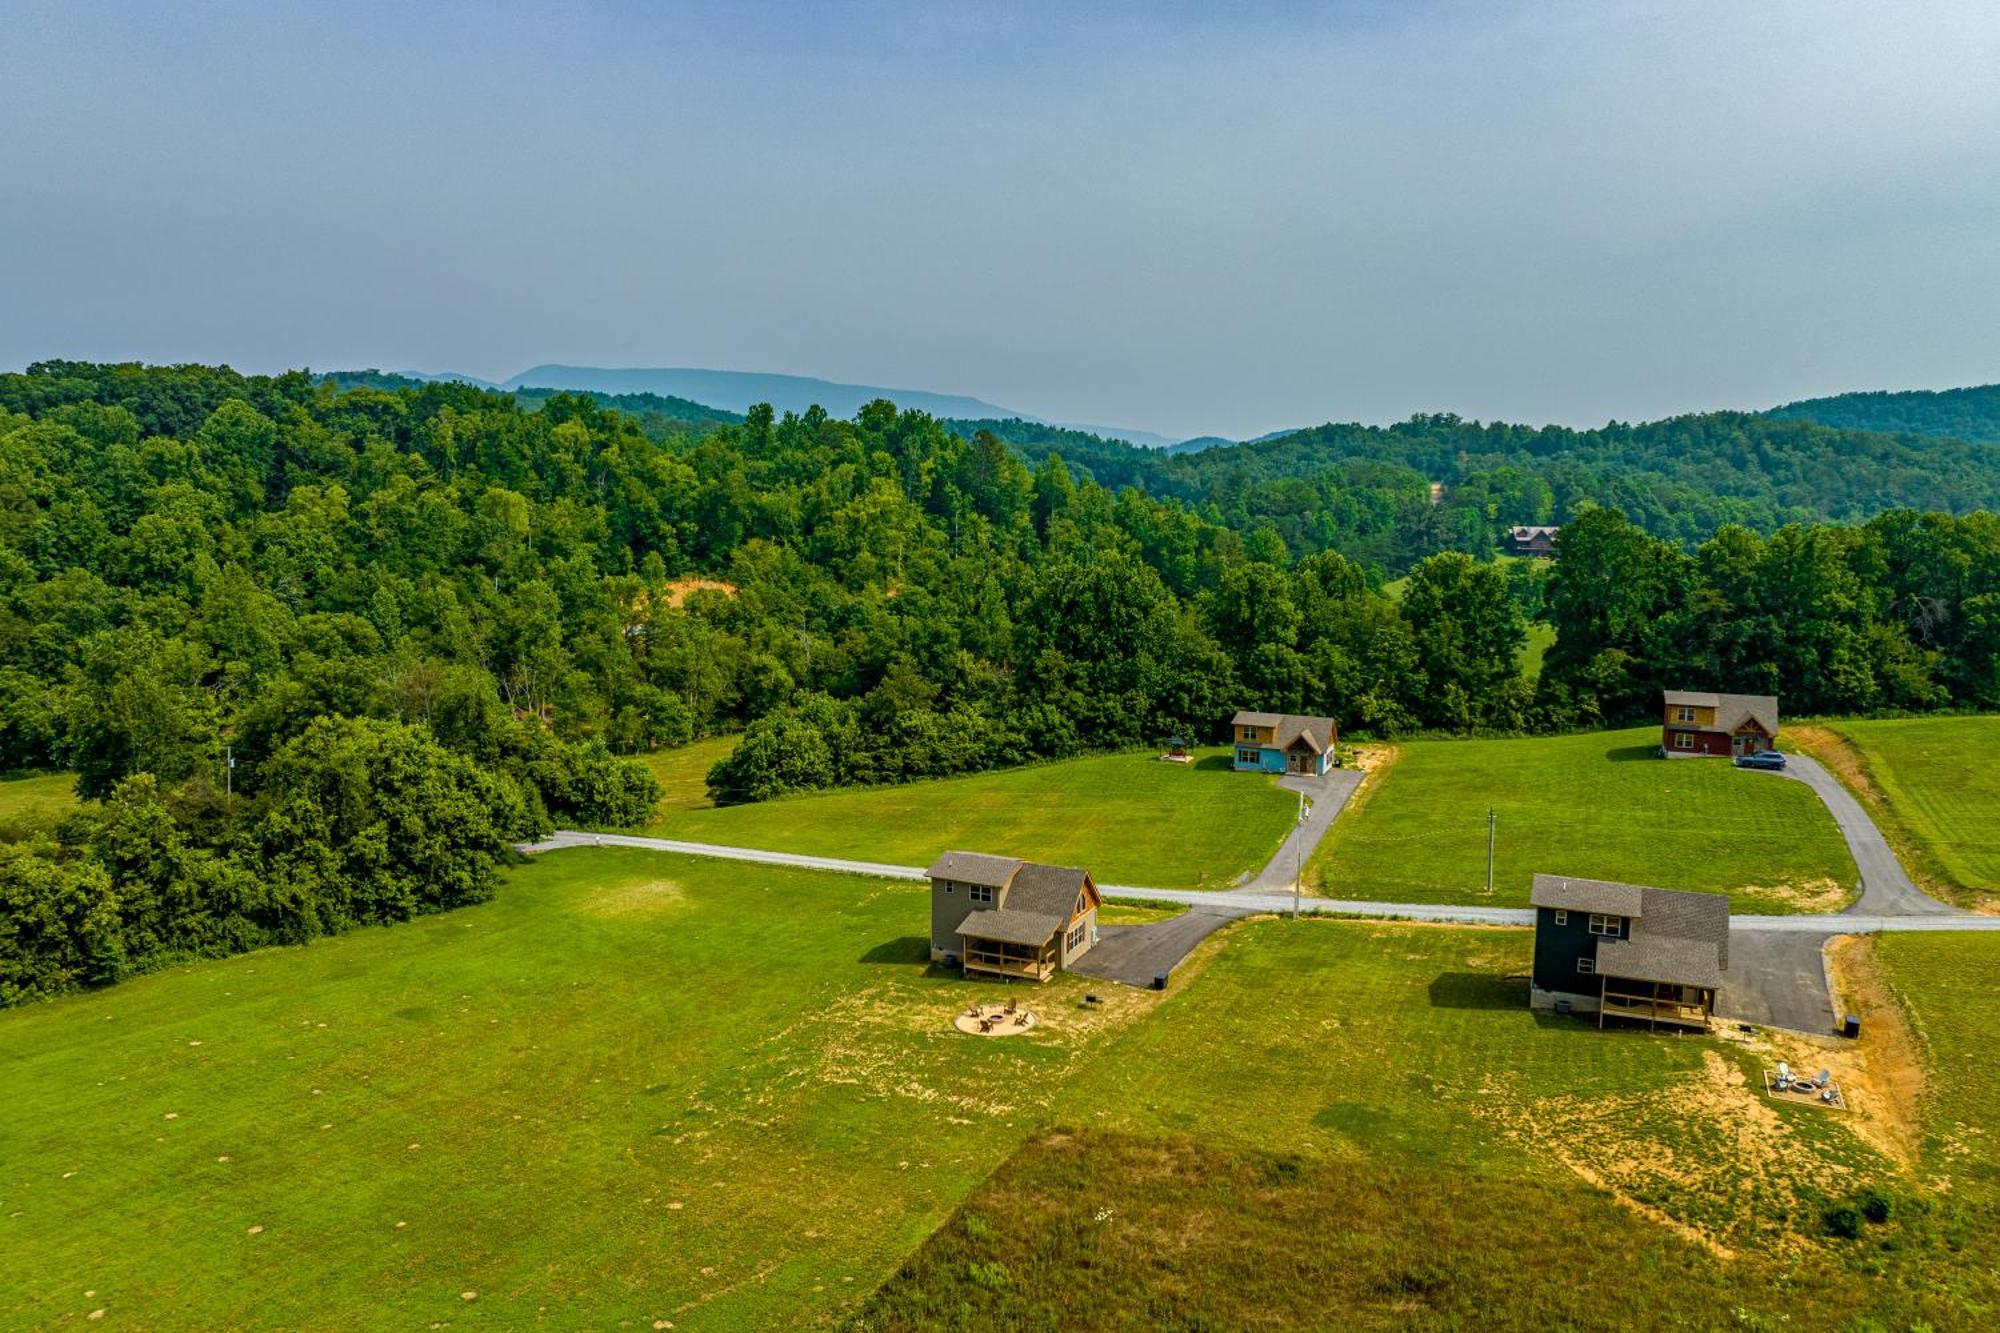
{"x": 1009, "y": 1019}
{"x": 1782, "y": 1084}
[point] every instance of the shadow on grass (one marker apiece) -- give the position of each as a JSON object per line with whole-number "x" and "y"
{"x": 904, "y": 949}
{"x": 1625, "y": 754}
{"x": 1212, "y": 763}
{"x": 1478, "y": 990}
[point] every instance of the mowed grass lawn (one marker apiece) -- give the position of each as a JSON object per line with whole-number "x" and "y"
{"x": 31, "y": 804}
{"x": 1353, "y": 1124}
{"x": 1599, "y": 805}
{"x": 634, "y": 1087}
{"x": 1940, "y": 779}
{"x": 1126, "y": 818}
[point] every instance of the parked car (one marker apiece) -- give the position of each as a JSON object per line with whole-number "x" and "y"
{"x": 1770, "y": 759}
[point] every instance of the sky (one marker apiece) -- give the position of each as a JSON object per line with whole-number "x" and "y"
{"x": 1188, "y": 219}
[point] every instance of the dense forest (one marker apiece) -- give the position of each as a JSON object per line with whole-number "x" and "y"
{"x": 1963, "y": 414}
{"x": 425, "y": 621}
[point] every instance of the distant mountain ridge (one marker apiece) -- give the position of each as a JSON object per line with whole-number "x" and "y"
{"x": 739, "y": 390}
{"x": 1971, "y": 414}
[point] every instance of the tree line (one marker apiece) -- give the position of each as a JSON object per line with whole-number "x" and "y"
{"x": 502, "y": 601}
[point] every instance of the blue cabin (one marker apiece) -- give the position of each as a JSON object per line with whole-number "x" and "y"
{"x": 1282, "y": 743}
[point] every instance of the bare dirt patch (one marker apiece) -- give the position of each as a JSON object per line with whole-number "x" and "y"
{"x": 1884, "y": 1070}
{"x": 1009, "y": 1019}
{"x": 1812, "y": 896}
{"x": 1707, "y": 1156}
{"x": 635, "y": 899}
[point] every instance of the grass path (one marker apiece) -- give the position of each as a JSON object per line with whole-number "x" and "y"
{"x": 1598, "y": 805}
{"x": 1127, "y": 818}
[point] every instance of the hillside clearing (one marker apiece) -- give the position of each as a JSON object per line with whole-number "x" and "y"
{"x": 1599, "y": 805}
{"x": 1127, "y": 818}
{"x": 29, "y": 805}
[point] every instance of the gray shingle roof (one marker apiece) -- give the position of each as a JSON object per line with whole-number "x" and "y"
{"x": 1318, "y": 731}
{"x": 1570, "y": 894}
{"x": 1049, "y": 890}
{"x": 975, "y": 868}
{"x": 1651, "y": 957}
{"x": 1672, "y": 935}
{"x": 1731, "y": 710}
{"x": 1011, "y": 926}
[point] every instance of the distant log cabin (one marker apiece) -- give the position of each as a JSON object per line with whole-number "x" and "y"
{"x": 1006, "y": 917}
{"x": 1532, "y": 539}
{"x": 1656, "y": 956}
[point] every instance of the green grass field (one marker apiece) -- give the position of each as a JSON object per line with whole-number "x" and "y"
{"x": 1598, "y": 805}
{"x": 1127, "y": 818}
{"x": 634, "y": 1087}
{"x": 1938, "y": 780}
{"x": 639, "y": 1088}
{"x": 1362, "y": 1125}
{"x": 682, "y": 772}
{"x": 28, "y": 805}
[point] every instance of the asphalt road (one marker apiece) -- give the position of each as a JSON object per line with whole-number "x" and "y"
{"x": 1259, "y": 901}
{"x": 1886, "y": 889}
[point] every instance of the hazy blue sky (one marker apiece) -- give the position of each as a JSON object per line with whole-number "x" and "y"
{"x": 1149, "y": 215}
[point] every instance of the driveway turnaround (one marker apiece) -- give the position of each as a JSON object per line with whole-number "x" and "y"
{"x": 1777, "y": 979}
{"x": 1136, "y": 955}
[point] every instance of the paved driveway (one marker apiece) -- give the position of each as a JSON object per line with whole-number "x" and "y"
{"x": 1329, "y": 797}
{"x": 1886, "y": 889}
{"x": 1138, "y": 953}
{"x": 1777, "y": 978}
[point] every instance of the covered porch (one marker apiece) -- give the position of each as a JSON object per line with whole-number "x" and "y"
{"x": 1004, "y": 959}
{"x": 1656, "y": 1002}
{"x": 1009, "y": 943}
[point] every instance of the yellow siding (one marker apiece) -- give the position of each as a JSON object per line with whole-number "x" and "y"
{"x": 1703, "y": 717}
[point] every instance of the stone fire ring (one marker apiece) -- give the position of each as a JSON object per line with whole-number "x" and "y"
{"x": 1009, "y": 1025}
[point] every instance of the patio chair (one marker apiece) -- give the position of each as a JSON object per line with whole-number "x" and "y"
{"x": 1824, "y": 1077}
{"x": 1784, "y": 1076}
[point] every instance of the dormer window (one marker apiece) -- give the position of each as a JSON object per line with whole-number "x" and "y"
{"x": 1683, "y": 714}
{"x": 980, "y": 893}
{"x": 1611, "y": 927}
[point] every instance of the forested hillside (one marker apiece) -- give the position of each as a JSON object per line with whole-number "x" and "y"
{"x": 438, "y": 611}
{"x": 1963, "y": 414}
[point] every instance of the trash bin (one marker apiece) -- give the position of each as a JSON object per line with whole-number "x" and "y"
{"x": 1853, "y": 1026}
{"x": 1159, "y": 981}
{"x": 1562, "y": 1006}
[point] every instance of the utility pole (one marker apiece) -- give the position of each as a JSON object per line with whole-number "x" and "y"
{"x": 1489, "y": 850}
{"x": 1298, "y": 851}
{"x": 228, "y": 771}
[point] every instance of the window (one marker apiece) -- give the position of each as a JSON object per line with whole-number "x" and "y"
{"x": 1246, "y": 755}
{"x": 1586, "y": 966}
{"x": 1683, "y": 740}
{"x": 1562, "y": 918}
{"x": 980, "y": 893}
{"x": 1076, "y": 935}
{"x": 1611, "y": 927}
{"x": 1684, "y": 714}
